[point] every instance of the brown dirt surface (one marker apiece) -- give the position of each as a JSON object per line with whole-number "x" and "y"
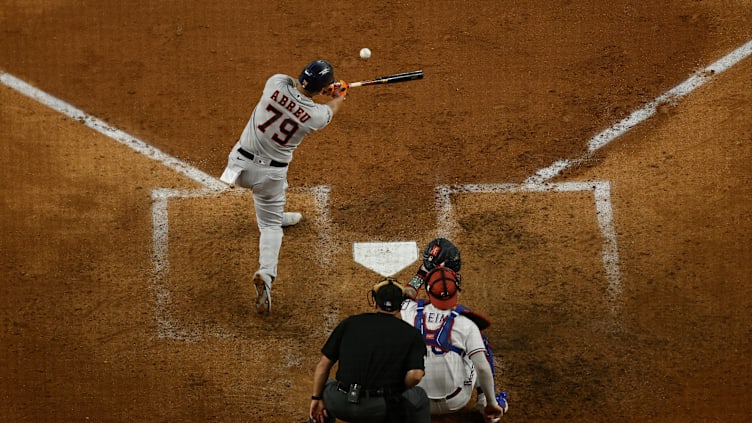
{"x": 100, "y": 321}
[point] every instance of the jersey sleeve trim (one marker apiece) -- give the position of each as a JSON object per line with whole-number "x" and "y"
{"x": 475, "y": 351}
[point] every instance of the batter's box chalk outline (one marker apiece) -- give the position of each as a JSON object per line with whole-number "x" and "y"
{"x": 214, "y": 186}
{"x": 447, "y": 223}
{"x": 168, "y": 327}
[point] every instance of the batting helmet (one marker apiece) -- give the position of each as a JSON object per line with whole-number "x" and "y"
{"x": 442, "y": 287}
{"x": 316, "y": 76}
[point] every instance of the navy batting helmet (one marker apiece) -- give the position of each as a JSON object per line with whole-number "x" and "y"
{"x": 316, "y": 76}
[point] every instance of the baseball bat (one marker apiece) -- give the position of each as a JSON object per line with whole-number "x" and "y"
{"x": 390, "y": 79}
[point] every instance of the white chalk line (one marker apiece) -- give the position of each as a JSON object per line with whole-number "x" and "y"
{"x": 601, "y": 190}
{"x": 108, "y": 131}
{"x": 327, "y": 245}
{"x": 171, "y": 328}
{"x": 671, "y": 96}
{"x": 447, "y": 224}
{"x": 167, "y": 326}
{"x": 537, "y": 182}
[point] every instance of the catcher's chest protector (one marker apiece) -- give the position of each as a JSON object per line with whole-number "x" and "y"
{"x": 438, "y": 338}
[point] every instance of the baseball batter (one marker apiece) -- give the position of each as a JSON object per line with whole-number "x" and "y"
{"x": 259, "y": 161}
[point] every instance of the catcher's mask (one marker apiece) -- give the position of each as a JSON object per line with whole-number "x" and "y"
{"x": 442, "y": 286}
{"x": 316, "y": 76}
{"x": 388, "y": 294}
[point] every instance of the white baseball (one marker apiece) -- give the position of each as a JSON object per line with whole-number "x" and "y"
{"x": 365, "y": 53}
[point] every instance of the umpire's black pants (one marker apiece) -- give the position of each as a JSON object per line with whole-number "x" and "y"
{"x": 374, "y": 409}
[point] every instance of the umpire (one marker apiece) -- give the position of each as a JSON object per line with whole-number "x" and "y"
{"x": 380, "y": 363}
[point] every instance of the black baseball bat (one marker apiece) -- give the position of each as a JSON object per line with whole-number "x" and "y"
{"x": 390, "y": 79}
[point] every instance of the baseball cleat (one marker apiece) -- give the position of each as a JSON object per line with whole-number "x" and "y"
{"x": 291, "y": 218}
{"x": 501, "y": 399}
{"x": 263, "y": 285}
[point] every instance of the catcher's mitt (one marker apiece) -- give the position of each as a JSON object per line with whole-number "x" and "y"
{"x": 441, "y": 252}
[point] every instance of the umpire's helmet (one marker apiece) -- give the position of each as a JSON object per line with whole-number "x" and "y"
{"x": 316, "y": 76}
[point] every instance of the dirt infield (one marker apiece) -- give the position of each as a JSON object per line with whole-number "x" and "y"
{"x": 619, "y": 290}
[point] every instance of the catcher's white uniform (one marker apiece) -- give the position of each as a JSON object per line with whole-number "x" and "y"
{"x": 450, "y": 376}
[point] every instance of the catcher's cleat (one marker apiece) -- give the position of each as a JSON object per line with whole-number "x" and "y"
{"x": 501, "y": 399}
{"x": 263, "y": 285}
{"x": 291, "y": 218}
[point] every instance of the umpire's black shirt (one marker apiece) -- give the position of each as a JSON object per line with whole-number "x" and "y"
{"x": 375, "y": 350}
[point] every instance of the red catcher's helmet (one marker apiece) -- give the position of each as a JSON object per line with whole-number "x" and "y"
{"x": 442, "y": 288}
{"x": 318, "y": 75}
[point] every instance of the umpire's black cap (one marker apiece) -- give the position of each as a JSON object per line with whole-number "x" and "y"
{"x": 388, "y": 294}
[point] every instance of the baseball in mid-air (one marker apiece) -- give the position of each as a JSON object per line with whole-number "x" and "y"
{"x": 365, "y": 53}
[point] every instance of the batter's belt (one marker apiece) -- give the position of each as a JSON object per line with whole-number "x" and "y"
{"x": 250, "y": 156}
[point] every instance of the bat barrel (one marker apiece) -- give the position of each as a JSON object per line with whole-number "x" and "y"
{"x": 390, "y": 79}
{"x": 417, "y": 73}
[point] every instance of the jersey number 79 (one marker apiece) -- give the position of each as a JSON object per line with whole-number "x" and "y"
{"x": 287, "y": 128}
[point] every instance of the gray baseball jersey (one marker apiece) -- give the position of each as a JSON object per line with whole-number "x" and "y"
{"x": 258, "y": 161}
{"x": 281, "y": 119}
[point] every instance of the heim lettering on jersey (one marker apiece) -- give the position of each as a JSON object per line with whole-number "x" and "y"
{"x": 290, "y": 105}
{"x": 432, "y": 317}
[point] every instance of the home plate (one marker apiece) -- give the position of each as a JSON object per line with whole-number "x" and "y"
{"x": 385, "y": 258}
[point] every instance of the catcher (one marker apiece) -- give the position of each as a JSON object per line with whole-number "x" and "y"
{"x": 453, "y": 337}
